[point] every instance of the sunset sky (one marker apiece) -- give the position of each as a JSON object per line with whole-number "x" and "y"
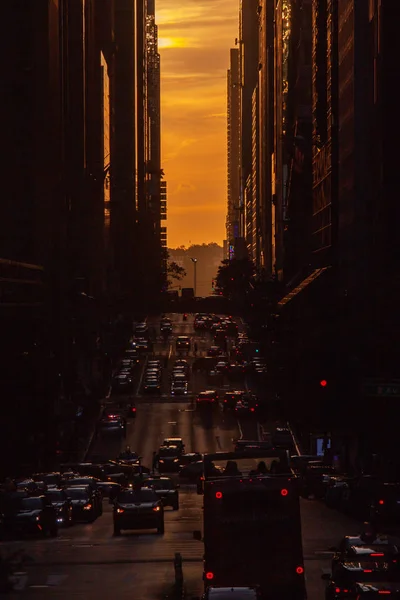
{"x": 194, "y": 41}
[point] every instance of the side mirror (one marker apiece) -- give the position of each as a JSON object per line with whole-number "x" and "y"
{"x": 197, "y": 535}
{"x": 326, "y": 576}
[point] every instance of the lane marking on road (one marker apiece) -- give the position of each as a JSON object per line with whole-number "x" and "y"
{"x": 170, "y": 351}
{"x": 141, "y": 376}
{"x": 240, "y": 430}
{"x": 171, "y": 422}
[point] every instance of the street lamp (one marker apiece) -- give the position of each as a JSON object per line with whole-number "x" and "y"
{"x": 194, "y": 261}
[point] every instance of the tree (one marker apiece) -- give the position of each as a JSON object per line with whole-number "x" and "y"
{"x": 174, "y": 273}
{"x": 234, "y": 278}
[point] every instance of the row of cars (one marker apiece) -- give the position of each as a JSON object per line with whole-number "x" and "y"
{"x": 364, "y": 566}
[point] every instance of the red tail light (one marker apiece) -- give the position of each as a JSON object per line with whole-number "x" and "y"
{"x": 299, "y": 570}
{"x": 377, "y": 554}
{"x": 381, "y": 502}
{"x": 384, "y": 592}
{"x": 209, "y": 575}
{"x": 367, "y": 570}
{"x": 337, "y": 590}
{"x": 284, "y": 492}
{"x": 133, "y": 409}
{"x": 218, "y": 495}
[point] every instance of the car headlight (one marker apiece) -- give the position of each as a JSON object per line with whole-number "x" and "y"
{"x": 161, "y": 461}
{"x": 156, "y": 508}
{"x": 120, "y": 511}
{"x": 87, "y": 506}
{"x": 176, "y": 459}
{"x": 37, "y": 518}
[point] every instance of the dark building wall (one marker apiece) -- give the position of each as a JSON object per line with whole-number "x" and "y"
{"x": 297, "y": 236}
{"x": 141, "y": 92}
{"x": 266, "y": 130}
{"x": 248, "y": 31}
{"x": 123, "y": 149}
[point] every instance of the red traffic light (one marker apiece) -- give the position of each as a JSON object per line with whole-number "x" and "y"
{"x": 323, "y": 383}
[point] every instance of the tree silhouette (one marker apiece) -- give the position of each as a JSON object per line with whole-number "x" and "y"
{"x": 234, "y": 277}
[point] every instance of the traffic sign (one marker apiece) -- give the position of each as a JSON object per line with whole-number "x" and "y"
{"x": 382, "y": 389}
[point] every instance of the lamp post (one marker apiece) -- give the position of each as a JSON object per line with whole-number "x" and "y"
{"x": 194, "y": 261}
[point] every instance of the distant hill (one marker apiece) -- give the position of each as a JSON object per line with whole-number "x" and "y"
{"x": 209, "y": 258}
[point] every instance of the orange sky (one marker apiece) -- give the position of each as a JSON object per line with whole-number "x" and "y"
{"x": 194, "y": 41}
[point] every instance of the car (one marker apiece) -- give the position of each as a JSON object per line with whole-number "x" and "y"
{"x": 141, "y": 330}
{"x": 127, "y": 364}
{"x": 26, "y": 515}
{"x": 189, "y": 458}
{"x": 139, "y": 508}
{"x": 132, "y": 354}
{"x": 231, "y": 397}
{"x": 83, "y": 500}
{"x": 168, "y": 459}
{"x": 243, "y": 408}
{"x": 214, "y": 351}
{"x": 349, "y": 572}
{"x": 155, "y": 364}
{"x": 179, "y": 388}
{"x": 174, "y": 441}
{"x": 207, "y": 398}
{"x": 366, "y": 542}
{"x": 166, "y": 490}
{"x": 112, "y": 425}
{"x": 95, "y": 492}
{"x": 143, "y": 344}
{"x": 152, "y": 386}
{"x": 122, "y": 383}
{"x": 390, "y": 552}
{"x": 50, "y": 479}
{"x": 222, "y": 366}
{"x": 183, "y": 342}
{"x": 62, "y": 504}
{"x": 376, "y": 590}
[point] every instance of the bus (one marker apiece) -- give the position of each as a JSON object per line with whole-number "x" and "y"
{"x": 251, "y": 523}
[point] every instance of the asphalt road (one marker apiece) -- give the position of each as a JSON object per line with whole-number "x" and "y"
{"x": 86, "y": 561}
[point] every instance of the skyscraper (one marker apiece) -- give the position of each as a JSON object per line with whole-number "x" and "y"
{"x": 234, "y": 168}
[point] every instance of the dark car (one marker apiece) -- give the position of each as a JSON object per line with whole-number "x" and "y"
{"x": 62, "y": 504}
{"x": 168, "y": 459}
{"x": 112, "y": 425}
{"x": 97, "y": 496}
{"x": 207, "y": 398}
{"x": 183, "y": 342}
{"x": 31, "y": 515}
{"x": 189, "y": 458}
{"x": 348, "y": 573}
{"x": 243, "y": 408}
{"x": 83, "y": 500}
{"x": 152, "y": 386}
{"x": 179, "y": 387}
{"x": 363, "y": 543}
{"x": 122, "y": 383}
{"x": 138, "y": 509}
{"x": 110, "y": 489}
{"x": 230, "y": 399}
{"x": 389, "y": 552}
{"x": 166, "y": 490}
{"x": 377, "y": 590}
{"x": 50, "y": 479}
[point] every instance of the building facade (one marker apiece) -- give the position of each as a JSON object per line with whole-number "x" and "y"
{"x": 234, "y": 209}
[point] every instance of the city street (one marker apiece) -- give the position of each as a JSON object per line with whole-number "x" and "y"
{"x": 87, "y": 561}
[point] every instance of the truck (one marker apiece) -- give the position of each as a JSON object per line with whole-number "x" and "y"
{"x": 187, "y": 293}
{"x": 251, "y": 523}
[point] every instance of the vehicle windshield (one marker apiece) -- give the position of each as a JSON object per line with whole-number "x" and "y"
{"x": 249, "y": 466}
{"x": 77, "y": 494}
{"x": 136, "y": 497}
{"x": 171, "y": 451}
{"x": 110, "y": 423}
{"x": 30, "y": 504}
{"x": 160, "y": 484}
